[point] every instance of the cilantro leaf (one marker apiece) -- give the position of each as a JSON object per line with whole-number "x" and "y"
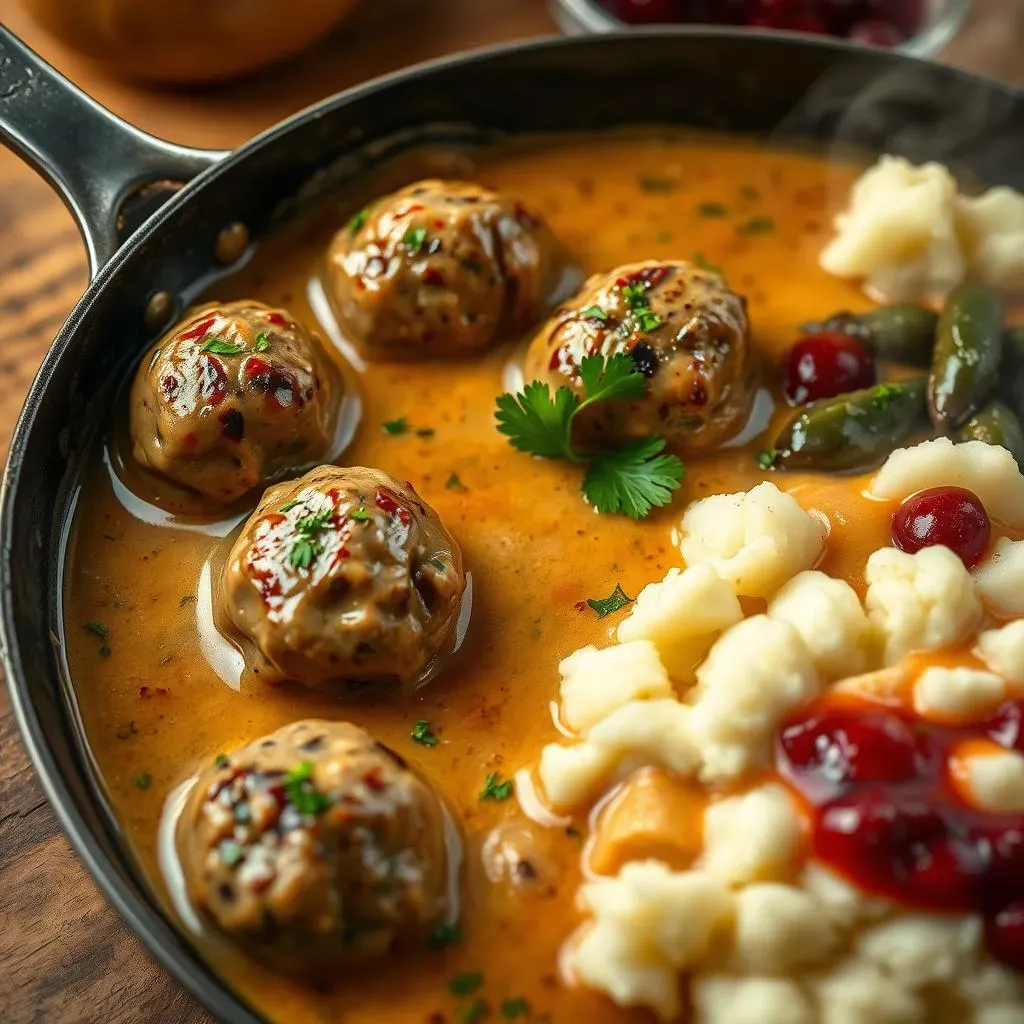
{"x": 422, "y": 734}
{"x": 495, "y": 790}
{"x": 288, "y": 506}
{"x": 302, "y": 793}
{"x": 144, "y": 781}
{"x": 537, "y": 423}
{"x": 357, "y": 220}
{"x": 453, "y": 483}
{"x": 617, "y": 599}
{"x": 594, "y": 313}
{"x": 513, "y": 1008}
{"x": 604, "y": 380}
{"x": 395, "y": 427}
{"x": 360, "y": 515}
{"x": 465, "y": 983}
{"x": 634, "y": 479}
{"x": 220, "y": 348}
{"x": 413, "y": 240}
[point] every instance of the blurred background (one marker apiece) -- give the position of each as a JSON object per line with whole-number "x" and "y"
{"x": 212, "y": 73}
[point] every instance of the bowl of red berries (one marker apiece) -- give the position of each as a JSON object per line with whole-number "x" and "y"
{"x": 920, "y": 27}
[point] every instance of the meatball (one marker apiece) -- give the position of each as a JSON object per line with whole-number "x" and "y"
{"x": 441, "y": 268}
{"x": 345, "y": 576}
{"x": 232, "y": 396}
{"x": 316, "y": 847}
{"x": 688, "y": 335}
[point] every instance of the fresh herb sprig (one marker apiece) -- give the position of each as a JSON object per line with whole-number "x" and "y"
{"x": 302, "y": 793}
{"x": 307, "y": 544}
{"x": 631, "y": 479}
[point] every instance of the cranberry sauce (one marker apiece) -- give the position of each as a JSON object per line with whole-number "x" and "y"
{"x": 887, "y": 815}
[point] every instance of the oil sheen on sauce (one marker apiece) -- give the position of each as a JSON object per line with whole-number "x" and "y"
{"x": 161, "y": 704}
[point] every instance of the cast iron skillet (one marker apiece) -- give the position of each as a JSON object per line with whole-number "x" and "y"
{"x": 796, "y": 89}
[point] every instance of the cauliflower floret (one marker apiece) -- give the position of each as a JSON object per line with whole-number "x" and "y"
{"x": 987, "y": 470}
{"x": 756, "y": 539}
{"x": 858, "y": 992}
{"x": 596, "y": 682}
{"x": 681, "y": 616}
{"x": 920, "y": 601}
{"x": 922, "y": 949}
{"x": 573, "y": 775}
{"x": 756, "y": 673}
{"x": 1000, "y": 578}
{"x": 1003, "y": 650}
{"x": 992, "y": 231}
{"x": 827, "y": 613}
{"x": 996, "y": 781}
{"x": 754, "y": 836}
{"x": 899, "y": 232}
{"x": 957, "y": 694}
{"x": 779, "y": 928}
{"x": 655, "y": 732}
{"x": 649, "y": 923}
{"x": 725, "y": 999}
{"x": 844, "y": 904}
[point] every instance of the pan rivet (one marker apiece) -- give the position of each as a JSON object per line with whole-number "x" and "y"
{"x": 158, "y": 310}
{"x": 232, "y": 241}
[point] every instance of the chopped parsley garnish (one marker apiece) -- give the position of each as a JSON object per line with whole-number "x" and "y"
{"x": 652, "y": 183}
{"x": 307, "y": 545}
{"x": 395, "y": 427}
{"x": 749, "y": 192}
{"x": 220, "y": 348}
{"x": 663, "y": 237}
{"x": 444, "y": 934}
{"x": 301, "y": 793}
{"x": 230, "y": 852}
{"x": 617, "y": 599}
{"x": 475, "y": 1012}
{"x": 220, "y": 761}
{"x": 511, "y": 1009}
{"x": 766, "y": 459}
{"x": 360, "y": 515}
{"x": 495, "y": 790}
{"x": 101, "y": 631}
{"x": 594, "y": 313}
{"x": 421, "y": 734}
{"x": 711, "y": 210}
{"x": 425, "y": 431}
{"x": 357, "y": 220}
{"x": 290, "y": 505}
{"x": 413, "y": 240}
{"x": 641, "y": 318}
{"x": 465, "y": 983}
{"x": 700, "y": 260}
{"x": 632, "y": 479}
{"x": 262, "y": 342}
{"x": 144, "y": 781}
{"x": 885, "y": 393}
{"x": 453, "y": 483}
{"x": 756, "y": 226}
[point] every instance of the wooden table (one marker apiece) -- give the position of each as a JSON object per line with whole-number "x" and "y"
{"x": 64, "y": 954}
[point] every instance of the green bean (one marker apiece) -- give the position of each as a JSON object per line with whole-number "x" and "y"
{"x": 896, "y": 334}
{"x": 852, "y": 431}
{"x": 996, "y": 423}
{"x": 968, "y": 351}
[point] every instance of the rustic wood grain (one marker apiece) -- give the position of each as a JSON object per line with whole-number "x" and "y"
{"x": 65, "y": 956}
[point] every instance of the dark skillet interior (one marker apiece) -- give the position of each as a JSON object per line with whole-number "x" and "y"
{"x": 821, "y": 93}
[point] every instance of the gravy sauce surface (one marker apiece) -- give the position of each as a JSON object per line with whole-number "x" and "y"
{"x": 156, "y": 711}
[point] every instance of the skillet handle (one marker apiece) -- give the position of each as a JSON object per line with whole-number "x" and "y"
{"x": 109, "y": 174}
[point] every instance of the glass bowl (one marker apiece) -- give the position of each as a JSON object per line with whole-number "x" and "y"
{"x": 939, "y": 23}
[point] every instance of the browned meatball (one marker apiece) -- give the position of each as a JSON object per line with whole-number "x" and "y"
{"x": 686, "y": 331}
{"x": 232, "y": 396}
{"x": 315, "y": 847}
{"x": 441, "y": 268}
{"x": 345, "y": 576}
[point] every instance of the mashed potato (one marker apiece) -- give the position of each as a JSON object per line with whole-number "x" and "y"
{"x": 908, "y": 234}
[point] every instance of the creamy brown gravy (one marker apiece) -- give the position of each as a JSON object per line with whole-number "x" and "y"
{"x": 155, "y": 706}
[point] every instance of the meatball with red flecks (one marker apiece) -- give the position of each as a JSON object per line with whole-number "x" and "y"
{"x": 441, "y": 268}
{"x": 231, "y": 397}
{"x": 345, "y": 576}
{"x": 687, "y": 333}
{"x": 315, "y": 848}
